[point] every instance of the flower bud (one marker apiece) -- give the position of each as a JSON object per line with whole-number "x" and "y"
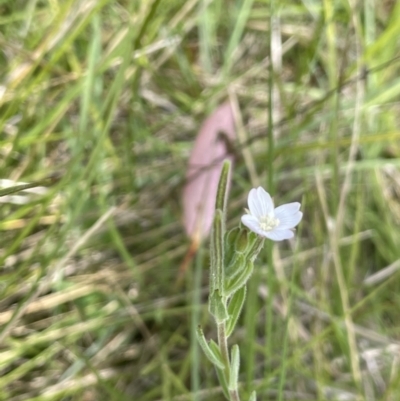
{"x": 242, "y": 242}
{"x": 237, "y": 265}
{"x": 238, "y": 281}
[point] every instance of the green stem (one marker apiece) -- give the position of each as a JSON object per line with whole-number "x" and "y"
{"x": 234, "y": 394}
{"x": 223, "y": 346}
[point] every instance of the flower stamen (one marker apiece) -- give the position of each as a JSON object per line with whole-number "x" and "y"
{"x": 268, "y": 223}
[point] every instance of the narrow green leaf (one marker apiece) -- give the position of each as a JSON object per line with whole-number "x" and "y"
{"x": 240, "y": 22}
{"x": 217, "y": 253}
{"x": 222, "y": 192}
{"x": 22, "y": 187}
{"x": 234, "y": 308}
{"x": 215, "y": 349}
{"x": 146, "y": 22}
{"x": 234, "y": 368}
{"x": 213, "y": 357}
{"x": 88, "y": 91}
{"x": 253, "y": 396}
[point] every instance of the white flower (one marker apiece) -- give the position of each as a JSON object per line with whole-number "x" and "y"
{"x": 263, "y": 219}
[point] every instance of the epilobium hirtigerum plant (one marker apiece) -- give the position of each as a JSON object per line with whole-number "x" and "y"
{"x": 232, "y": 256}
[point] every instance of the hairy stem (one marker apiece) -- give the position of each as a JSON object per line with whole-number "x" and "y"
{"x": 223, "y": 346}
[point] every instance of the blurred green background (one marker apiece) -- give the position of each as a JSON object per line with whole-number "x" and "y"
{"x": 100, "y": 104}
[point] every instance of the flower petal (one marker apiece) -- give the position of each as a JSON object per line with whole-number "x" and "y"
{"x": 288, "y": 208}
{"x": 279, "y": 235}
{"x": 289, "y": 221}
{"x": 288, "y": 215}
{"x": 254, "y": 204}
{"x": 251, "y": 222}
{"x": 265, "y": 201}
